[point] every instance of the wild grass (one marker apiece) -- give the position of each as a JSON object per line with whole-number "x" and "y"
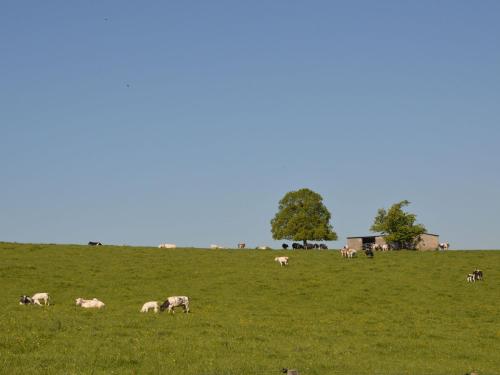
{"x": 399, "y": 313}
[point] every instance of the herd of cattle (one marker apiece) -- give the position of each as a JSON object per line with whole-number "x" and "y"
{"x": 169, "y": 304}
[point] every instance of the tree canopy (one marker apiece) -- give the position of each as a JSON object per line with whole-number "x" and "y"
{"x": 302, "y": 216}
{"x": 398, "y": 226}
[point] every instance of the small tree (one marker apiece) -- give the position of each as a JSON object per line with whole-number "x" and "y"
{"x": 301, "y": 217}
{"x": 398, "y": 226}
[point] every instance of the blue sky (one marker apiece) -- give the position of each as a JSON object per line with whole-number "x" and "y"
{"x": 186, "y": 122}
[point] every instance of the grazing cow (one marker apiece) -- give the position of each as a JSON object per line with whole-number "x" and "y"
{"x": 150, "y": 305}
{"x": 385, "y": 247}
{"x": 93, "y": 303}
{"x": 175, "y": 301}
{"x": 241, "y": 245}
{"x": 283, "y": 261}
{"x": 376, "y": 247}
{"x": 297, "y": 245}
{"x": 92, "y": 243}
{"x": 309, "y": 246}
{"x": 478, "y": 274}
{"x": 41, "y": 297}
{"x": 323, "y": 246}
{"x": 344, "y": 251}
{"x": 471, "y": 278}
{"x": 215, "y": 247}
{"x": 25, "y": 300}
{"x": 351, "y": 253}
{"x": 284, "y": 246}
{"x": 167, "y": 246}
{"x": 444, "y": 246}
{"x": 369, "y": 253}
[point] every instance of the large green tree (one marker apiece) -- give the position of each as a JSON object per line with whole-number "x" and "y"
{"x": 398, "y": 226}
{"x": 302, "y": 216}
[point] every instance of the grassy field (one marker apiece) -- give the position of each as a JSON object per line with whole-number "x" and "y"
{"x": 399, "y": 313}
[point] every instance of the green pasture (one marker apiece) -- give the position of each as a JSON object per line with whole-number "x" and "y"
{"x": 400, "y": 313}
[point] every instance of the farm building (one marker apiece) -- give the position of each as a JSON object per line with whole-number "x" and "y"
{"x": 428, "y": 241}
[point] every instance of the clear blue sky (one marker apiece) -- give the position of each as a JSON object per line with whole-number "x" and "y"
{"x": 186, "y": 122}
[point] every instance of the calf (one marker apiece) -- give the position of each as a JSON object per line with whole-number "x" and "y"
{"x": 175, "y": 301}
{"x": 150, "y": 305}
{"x": 93, "y": 303}
{"x": 283, "y": 261}
{"x": 41, "y": 297}
{"x": 92, "y": 243}
{"x": 471, "y": 278}
{"x": 351, "y": 253}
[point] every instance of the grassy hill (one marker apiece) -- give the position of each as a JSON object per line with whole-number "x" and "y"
{"x": 399, "y": 313}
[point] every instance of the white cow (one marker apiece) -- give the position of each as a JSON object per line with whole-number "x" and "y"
{"x": 167, "y": 246}
{"x": 376, "y": 247}
{"x": 385, "y": 247}
{"x": 263, "y": 247}
{"x": 344, "y": 251}
{"x": 351, "y": 253}
{"x": 471, "y": 278}
{"x": 175, "y": 301}
{"x": 283, "y": 261}
{"x": 41, "y": 297}
{"x": 215, "y": 247}
{"x": 93, "y": 303}
{"x": 150, "y": 305}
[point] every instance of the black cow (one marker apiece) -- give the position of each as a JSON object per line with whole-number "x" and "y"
{"x": 284, "y": 246}
{"x": 478, "y": 274}
{"x": 369, "y": 253}
{"x": 297, "y": 245}
{"x": 25, "y": 300}
{"x": 323, "y": 246}
{"x": 91, "y": 243}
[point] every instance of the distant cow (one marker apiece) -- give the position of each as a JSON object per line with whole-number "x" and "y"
{"x": 93, "y": 303}
{"x": 478, "y": 274}
{"x": 92, "y": 243}
{"x": 471, "y": 278}
{"x": 283, "y": 261}
{"x": 385, "y": 247}
{"x": 344, "y": 251}
{"x": 167, "y": 246}
{"x": 369, "y": 253}
{"x": 215, "y": 247}
{"x": 290, "y": 371}
{"x": 284, "y": 246}
{"x": 444, "y": 245}
{"x": 175, "y": 301}
{"x": 25, "y": 300}
{"x": 150, "y": 305}
{"x": 297, "y": 245}
{"x": 263, "y": 247}
{"x": 241, "y": 245}
{"x": 376, "y": 247}
{"x": 351, "y": 253}
{"x": 323, "y": 246}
